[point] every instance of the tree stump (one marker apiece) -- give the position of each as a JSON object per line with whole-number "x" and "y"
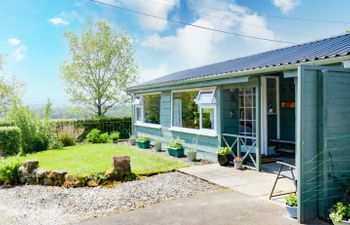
{"x": 121, "y": 165}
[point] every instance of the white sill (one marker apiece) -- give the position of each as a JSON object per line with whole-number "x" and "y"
{"x": 149, "y": 125}
{"x": 210, "y": 133}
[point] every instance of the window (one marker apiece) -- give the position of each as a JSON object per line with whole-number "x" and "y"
{"x": 194, "y": 109}
{"x": 147, "y": 108}
{"x": 152, "y": 109}
{"x": 185, "y": 110}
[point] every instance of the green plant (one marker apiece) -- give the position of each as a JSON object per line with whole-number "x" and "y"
{"x": 225, "y": 151}
{"x": 143, "y": 139}
{"x": 114, "y": 136}
{"x": 9, "y": 171}
{"x": 10, "y": 140}
{"x": 104, "y": 138}
{"x": 177, "y": 143}
{"x": 191, "y": 150}
{"x": 291, "y": 200}
{"x": 94, "y": 136}
{"x": 238, "y": 159}
{"x": 69, "y": 134}
{"x": 35, "y": 134}
{"x": 339, "y": 211}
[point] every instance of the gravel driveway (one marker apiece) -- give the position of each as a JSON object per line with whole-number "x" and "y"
{"x": 55, "y": 205}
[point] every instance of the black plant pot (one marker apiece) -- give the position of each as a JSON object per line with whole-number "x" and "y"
{"x": 224, "y": 160}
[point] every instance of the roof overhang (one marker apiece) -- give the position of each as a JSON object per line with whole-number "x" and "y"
{"x": 257, "y": 71}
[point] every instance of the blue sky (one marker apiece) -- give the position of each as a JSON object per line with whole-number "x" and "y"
{"x": 31, "y": 34}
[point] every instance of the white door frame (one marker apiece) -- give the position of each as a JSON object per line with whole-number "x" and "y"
{"x": 264, "y": 112}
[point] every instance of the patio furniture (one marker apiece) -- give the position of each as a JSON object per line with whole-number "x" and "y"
{"x": 282, "y": 175}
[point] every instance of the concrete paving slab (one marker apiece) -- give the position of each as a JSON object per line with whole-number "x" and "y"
{"x": 249, "y": 182}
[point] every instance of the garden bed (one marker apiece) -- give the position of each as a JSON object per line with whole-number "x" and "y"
{"x": 57, "y": 205}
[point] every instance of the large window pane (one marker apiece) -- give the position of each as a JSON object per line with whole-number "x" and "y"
{"x": 185, "y": 110}
{"x": 138, "y": 114}
{"x": 152, "y": 109}
{"x": 208, "y": 118}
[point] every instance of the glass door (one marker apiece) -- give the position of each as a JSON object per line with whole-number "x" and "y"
{"x": 247, "y": 113}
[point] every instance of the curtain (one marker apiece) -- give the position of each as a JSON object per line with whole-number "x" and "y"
{"x": 177, "y": 113}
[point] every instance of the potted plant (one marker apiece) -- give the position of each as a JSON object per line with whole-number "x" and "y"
{"x": 224, "y": 156}
{"x": 238, "y": 161}
{"x": 192, "y": 154}
{"x": 176, "y": 148}
{"x": 158, "y": 146}
{"x": 292, "y": 205}
{"x": 132, "y": 140}
{"x": 340, "y": 213}
{"x": 114, "y": 137}
{"x": 143, "y": 141}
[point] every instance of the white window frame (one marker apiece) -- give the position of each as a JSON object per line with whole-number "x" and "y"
{"x": 213, "y": 98}
{"x": 141, "y": 106}
{"x": 200, "y": 131}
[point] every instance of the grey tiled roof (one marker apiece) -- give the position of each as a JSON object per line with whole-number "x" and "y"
{"x": 320, "y": 49}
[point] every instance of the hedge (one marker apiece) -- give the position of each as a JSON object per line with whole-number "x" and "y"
{"x": 110, "y": 125}
{"x": 10, "y": 140}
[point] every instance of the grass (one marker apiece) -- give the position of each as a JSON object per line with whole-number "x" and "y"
{"x": 93, "y": 158}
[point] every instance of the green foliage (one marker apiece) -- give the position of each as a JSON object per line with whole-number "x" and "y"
{"x": 104, "y": 138}
{"x": 95, "y": 136}
{"x": 69, "y": 134}
{"x": 225, "y": 151}
{"x": 339, "y": 211}
{"x": 100, "y": 67}
{"x": 291, "y": 200}
{"x": 122, "y": 125}
{"x": 9, "y": 171}
{"x": 10, "y": 140}
{"x": 114, "y": 136}
{"x": 177, "y": 144}
{"x": 143, "y": 139}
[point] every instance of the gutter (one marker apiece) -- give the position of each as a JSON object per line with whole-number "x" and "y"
{"x": 262, "y": 70}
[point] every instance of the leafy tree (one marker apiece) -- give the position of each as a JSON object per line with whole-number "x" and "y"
{"x": 100, "y": 68}
{"x": 48, "y": 109}
{"x": 9, "y": 89}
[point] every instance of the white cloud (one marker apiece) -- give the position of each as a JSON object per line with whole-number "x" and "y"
{"x": 154, "y": 8}
{"x": 149, "y": 74}
{"x": 19, "y": 53}
{"x": 14, "y": 42}
{"x": 58, "y": 21}
{"x": 197, "y": 46}
{"x": 285, "y": 5}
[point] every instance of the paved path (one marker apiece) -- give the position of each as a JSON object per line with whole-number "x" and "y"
{"x": 223, "y": 207}
{"x": 249, "y": 182}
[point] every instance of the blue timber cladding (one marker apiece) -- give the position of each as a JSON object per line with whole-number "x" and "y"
{"x": 311, "y": 51}
{"x": 206, "y": 146}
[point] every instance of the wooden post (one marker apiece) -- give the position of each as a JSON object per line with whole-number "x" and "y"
{"x": 258, "y": 125}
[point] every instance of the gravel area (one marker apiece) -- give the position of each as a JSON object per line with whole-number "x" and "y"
{"x": 55, "y": 205}
{"x": 165, "y": 153}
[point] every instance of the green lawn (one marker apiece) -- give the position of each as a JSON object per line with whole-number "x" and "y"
{"x": 93, "y": 158}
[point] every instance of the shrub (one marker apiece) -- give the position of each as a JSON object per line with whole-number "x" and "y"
{"x": 10, "y": 140}
{"x": 104, "y": 138}
{"x": 177, "y": 143}
{"x": 114, "y": 136}
{"x": 9, "y": 171}
{"x": 225, "y": 151}
{"x": 35, "y": 134}
{"x": 291, "y": 200}
{"x": 94, "y": 136}
{"x": 339, "y": 211}
{"x": 69, "y": 134}
{"x": 143, "y": 139}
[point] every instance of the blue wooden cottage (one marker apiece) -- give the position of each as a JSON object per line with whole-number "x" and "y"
{"x": 296, "y": 97}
